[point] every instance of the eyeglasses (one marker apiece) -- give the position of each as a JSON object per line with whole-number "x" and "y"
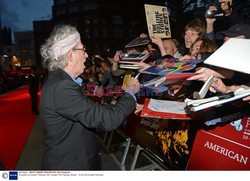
{"x": 83, "y": 49}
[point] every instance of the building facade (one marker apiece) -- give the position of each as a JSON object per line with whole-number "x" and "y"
{"x": 25, "y": 45}
{"x": 104, "y": 23}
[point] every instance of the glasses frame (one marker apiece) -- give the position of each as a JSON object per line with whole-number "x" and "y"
{"x": 83, "y": 49}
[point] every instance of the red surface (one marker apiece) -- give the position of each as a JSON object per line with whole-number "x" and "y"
{"x": 223, "y": 148}
{"x": 166, "y": 115}
{"x": 16, "y": 122}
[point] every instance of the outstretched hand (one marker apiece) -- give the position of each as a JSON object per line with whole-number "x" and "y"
{"x": 203, "y": 74}
{"x": 143, "y": 66}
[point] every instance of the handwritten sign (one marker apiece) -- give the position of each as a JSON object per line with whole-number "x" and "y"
{"x": 158, "y": 21}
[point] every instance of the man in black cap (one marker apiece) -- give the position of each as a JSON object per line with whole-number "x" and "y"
{"x": 239, "y": 30}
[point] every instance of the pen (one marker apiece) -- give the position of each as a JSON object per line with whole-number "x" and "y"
{"x": 137, "y": 75}
{"x": 171, "y": 92}
{"x": 226, "y": 96}
{"x": 210, "y": 99}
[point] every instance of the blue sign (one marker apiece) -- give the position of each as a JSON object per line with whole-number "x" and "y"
{"x": 13, "y": 176}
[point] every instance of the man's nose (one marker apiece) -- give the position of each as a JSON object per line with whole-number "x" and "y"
{"x": 86, "y": 55}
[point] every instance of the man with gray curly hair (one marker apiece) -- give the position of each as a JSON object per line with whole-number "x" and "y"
{"x": 67, "y": 114}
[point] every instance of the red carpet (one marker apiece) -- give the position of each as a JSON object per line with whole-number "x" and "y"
{"x": 16, "y": 122}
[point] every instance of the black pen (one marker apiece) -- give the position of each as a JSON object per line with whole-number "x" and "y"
{"x": 210, "y": 99}
{"x": 225, "y": 96}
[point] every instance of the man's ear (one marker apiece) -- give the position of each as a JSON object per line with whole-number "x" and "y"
{"x": 70, "y": 56}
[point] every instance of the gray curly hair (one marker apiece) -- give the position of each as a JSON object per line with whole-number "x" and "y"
{"x": 49, "y": 61}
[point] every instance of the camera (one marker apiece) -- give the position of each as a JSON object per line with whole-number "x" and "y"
{"x": 122, "y": 55}
{"x": 214, "y": 14}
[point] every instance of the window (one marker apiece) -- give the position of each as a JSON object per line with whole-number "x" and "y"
{"x": 60, "y": 2}
{"x": 74, "y": 21}
{"x": 95, "y": 33}
{"x": 87, "y": 20}
{"x": 73, "y": 9}
{"x": 22, "y": 42}
{"x": 118, "y": 33}
{"x": 132, "y": 22}
{"x": 25, "y": 52}
{"x": 105, "y": 32}
{"x": 117, "y": 20}
{"x": 94, "y": 5}
{"x": 60, "y": 12}
{"x": 60, "y": 22}
{"x": 95, "y": 19}
{"x": 103, "y": 21}
{"x": 87, "y": 33}
{"x": 132, "y": 34}
{"x": 86, "y": 7}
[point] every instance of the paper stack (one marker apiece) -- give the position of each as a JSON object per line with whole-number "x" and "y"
{"x": 200, "y": 104}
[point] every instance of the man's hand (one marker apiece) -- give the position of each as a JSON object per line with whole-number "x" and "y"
{"x": 143, "y": 66}
{"x": 218, "y": 86}
{"x": 117, "y": 56}
{"x": 133, "y": 86}
{"x": 174, "y": 88}
{"x": 208, "y": 20}
{"x": 186, "y": 58}
{"x": 143, "y": 35}
{"x": 247, "y": 99}
{"x": 205, "y": 73}
{"x": 156, "y": 40}
{"x": 138, "y": 108}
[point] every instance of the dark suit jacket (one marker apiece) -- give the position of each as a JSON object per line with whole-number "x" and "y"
{"x": 33, "y": 84}
{"x": 69, "y": 116}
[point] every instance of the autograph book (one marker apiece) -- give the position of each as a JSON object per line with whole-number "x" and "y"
{"x": 133, "y": 58}
{"x": 164, "y": 109}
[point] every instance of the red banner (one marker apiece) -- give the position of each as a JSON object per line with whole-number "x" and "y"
{"x": 223, "y": 148}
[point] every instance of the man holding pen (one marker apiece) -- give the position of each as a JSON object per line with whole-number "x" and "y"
{"x": 68, "y": 115}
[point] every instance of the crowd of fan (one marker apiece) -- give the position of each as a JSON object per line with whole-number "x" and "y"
{"x": 201, "y": 39}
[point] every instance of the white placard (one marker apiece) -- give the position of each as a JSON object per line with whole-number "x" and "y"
{"x": 233, "y": 55}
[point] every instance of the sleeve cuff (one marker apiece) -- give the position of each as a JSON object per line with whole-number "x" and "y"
{"x": 132, "y": 96}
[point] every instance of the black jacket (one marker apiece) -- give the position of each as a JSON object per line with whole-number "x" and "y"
{"x": 69, "y": 116}
{"x": 33, "y": 84}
